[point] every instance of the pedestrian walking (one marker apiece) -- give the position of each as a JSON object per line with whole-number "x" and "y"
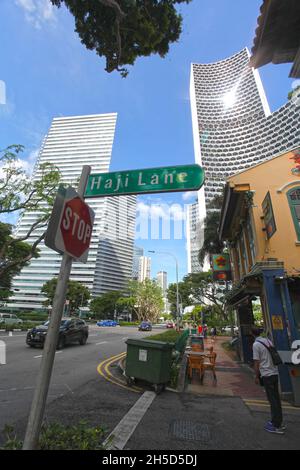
{"x": 200, "y": 329}
{"x": 213, "y": 332}
{"x": 266, "y": 373}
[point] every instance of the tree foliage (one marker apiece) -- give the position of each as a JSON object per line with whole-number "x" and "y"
{"x": 18, "y": 192}
{"x": 105, "y": 305}
{"x": 122, "y": 30}
{"x": 200, "y": 289}
{"x": 77, "y": 294}
{"x": 184, "y": 292}
{"x": 212, "y": 244}
{"x": 14, "y": 255}
{"x": 144, "y": 300}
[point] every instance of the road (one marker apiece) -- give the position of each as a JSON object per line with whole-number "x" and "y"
{"x": 74, "y": 367}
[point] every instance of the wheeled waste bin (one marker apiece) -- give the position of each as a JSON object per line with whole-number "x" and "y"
{"x": 150, "y": 361}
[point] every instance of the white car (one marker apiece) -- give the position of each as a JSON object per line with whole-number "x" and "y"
{"x": 227, "y": 329}
{"x": 9, "y": 319}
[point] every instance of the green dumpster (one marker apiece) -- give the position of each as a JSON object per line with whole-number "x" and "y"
{"x": 150, "y": 361}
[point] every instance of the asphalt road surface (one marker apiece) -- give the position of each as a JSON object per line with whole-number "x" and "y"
{"x": 74, "y": 367}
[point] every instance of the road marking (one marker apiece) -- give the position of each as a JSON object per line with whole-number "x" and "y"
{"x": 103, "y": 342}
{"x": 126, "y": 427}
{"x": 106, "y": 374}
{"x": 37, "y": 357}
{"x": 265, "y": 404}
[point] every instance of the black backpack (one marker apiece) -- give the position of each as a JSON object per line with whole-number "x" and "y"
{"x": 274, "y": 354}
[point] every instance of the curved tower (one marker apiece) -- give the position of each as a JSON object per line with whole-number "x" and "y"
{"x": 233, "y": 127}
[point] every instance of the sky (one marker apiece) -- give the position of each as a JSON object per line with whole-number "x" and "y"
{"x": 46, "y": 72}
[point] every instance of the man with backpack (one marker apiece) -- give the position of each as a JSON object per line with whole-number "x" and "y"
{"x": 266, "y": 360}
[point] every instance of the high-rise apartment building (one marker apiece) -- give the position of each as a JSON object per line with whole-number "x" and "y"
{"x": 137, "y": 253}
{"x": 144, "y": 268}
{"x": 71, "y": 143}
{"x": 162, "y": 281}
{"x": 233, "y": 128}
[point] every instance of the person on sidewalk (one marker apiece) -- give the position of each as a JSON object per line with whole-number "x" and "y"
{"x": 268, "y": 373}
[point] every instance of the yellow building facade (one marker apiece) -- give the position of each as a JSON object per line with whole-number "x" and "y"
{"x": 260, "y": 222}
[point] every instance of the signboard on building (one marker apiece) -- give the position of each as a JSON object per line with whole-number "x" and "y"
{"x": 148, "y": 180}
{"x": 268, "y": 216}
{"x": 221, "y": 267}
{"x": 70, "y": 227}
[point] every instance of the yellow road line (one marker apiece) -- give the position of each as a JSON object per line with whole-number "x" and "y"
{"x": 264, "y": 403}
{"x": 109, "y": 377}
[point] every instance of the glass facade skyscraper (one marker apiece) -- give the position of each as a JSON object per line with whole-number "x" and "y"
{"x": 71, "y": 143}
{"x": 233, "y": 129}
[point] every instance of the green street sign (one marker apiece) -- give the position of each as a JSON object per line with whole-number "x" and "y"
{"x": 144, "y": 181}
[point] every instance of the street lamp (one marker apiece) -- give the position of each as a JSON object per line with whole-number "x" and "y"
{"x": 177, "y": 291}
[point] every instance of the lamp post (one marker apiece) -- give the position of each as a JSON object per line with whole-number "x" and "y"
{"x": 177, "y": 291}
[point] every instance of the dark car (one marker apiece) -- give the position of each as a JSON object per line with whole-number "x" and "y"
{"x": 145, "y": 326}
{"x": 72, "y": 330}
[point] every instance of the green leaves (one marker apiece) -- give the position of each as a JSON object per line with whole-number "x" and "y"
{"x": 77, "y": 294}
{"x": 123, "y": 30}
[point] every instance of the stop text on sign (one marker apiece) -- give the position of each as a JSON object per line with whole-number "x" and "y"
{"x": 70, "y": 227}
{"x": 77, "y": 227}
{"x": 149, "y": 180}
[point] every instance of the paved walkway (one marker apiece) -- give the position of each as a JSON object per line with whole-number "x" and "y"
{"x": 233, "y": 379}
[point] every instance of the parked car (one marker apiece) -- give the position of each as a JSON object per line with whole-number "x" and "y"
{"x": 145, "y": 326}
{"x": 227, "y": 329}
{"x": 107, "y": 323}
{"x": 9, "y": 319}
{"x": 72, "y": 330}
{"x": 170, "y": 324}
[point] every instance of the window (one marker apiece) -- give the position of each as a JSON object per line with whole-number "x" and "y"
{"x": 294, "y": 203}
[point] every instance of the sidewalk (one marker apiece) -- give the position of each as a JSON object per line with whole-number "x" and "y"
{"x": 233, "y": 379}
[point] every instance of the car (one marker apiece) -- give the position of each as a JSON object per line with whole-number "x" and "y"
{"x": 72, "y": 330}
{"x": 107, "y": 323}
{"x": 145, "y": 326}
{"x": 10, "y": 319}
{"x": 227, "y": 329}
{"x": 170, "y": 324}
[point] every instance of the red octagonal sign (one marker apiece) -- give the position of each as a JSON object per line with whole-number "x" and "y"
{"x": 76, "y": 227}
{"x": 70, "y": 227}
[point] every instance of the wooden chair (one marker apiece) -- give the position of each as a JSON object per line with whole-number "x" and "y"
{"x": 210, "y": 349}
{"x": 195, "y": 363}
{"x": 209, "y": 363}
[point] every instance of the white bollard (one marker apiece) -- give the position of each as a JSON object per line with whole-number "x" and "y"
{"x": 2, "y": 353}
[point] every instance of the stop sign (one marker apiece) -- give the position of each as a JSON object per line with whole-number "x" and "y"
{"x": 76, "y": 227}
{"x": 70, "y": 227}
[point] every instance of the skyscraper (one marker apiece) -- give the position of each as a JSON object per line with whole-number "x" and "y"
{"x": 233, "y": 127}
{"x": 137, "y": 253}
{"x": 144, "y": 268}
{"x": 162, "y": 281}
{"x": 71, "y": 143}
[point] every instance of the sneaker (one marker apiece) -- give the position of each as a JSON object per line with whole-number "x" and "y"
{"x": 270, "y": 428}
{"x": 282, "y": 427}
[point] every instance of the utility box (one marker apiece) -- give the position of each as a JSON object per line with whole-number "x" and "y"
{"x": 150, "y": 361}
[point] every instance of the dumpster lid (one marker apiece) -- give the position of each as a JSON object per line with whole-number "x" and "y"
{"x": 148, "y": 344}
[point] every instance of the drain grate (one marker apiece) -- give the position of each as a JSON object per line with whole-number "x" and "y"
{"x": 189, "y": 431}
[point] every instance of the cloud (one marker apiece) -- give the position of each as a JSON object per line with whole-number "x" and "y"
{"x": 189, "y": 195}
{"x": 175, "y": 212}
{"x": 37, "y": 12}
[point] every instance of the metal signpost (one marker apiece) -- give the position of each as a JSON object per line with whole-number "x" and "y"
{"x": 145, "y": 181}
{"x": 40, "y": 395}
